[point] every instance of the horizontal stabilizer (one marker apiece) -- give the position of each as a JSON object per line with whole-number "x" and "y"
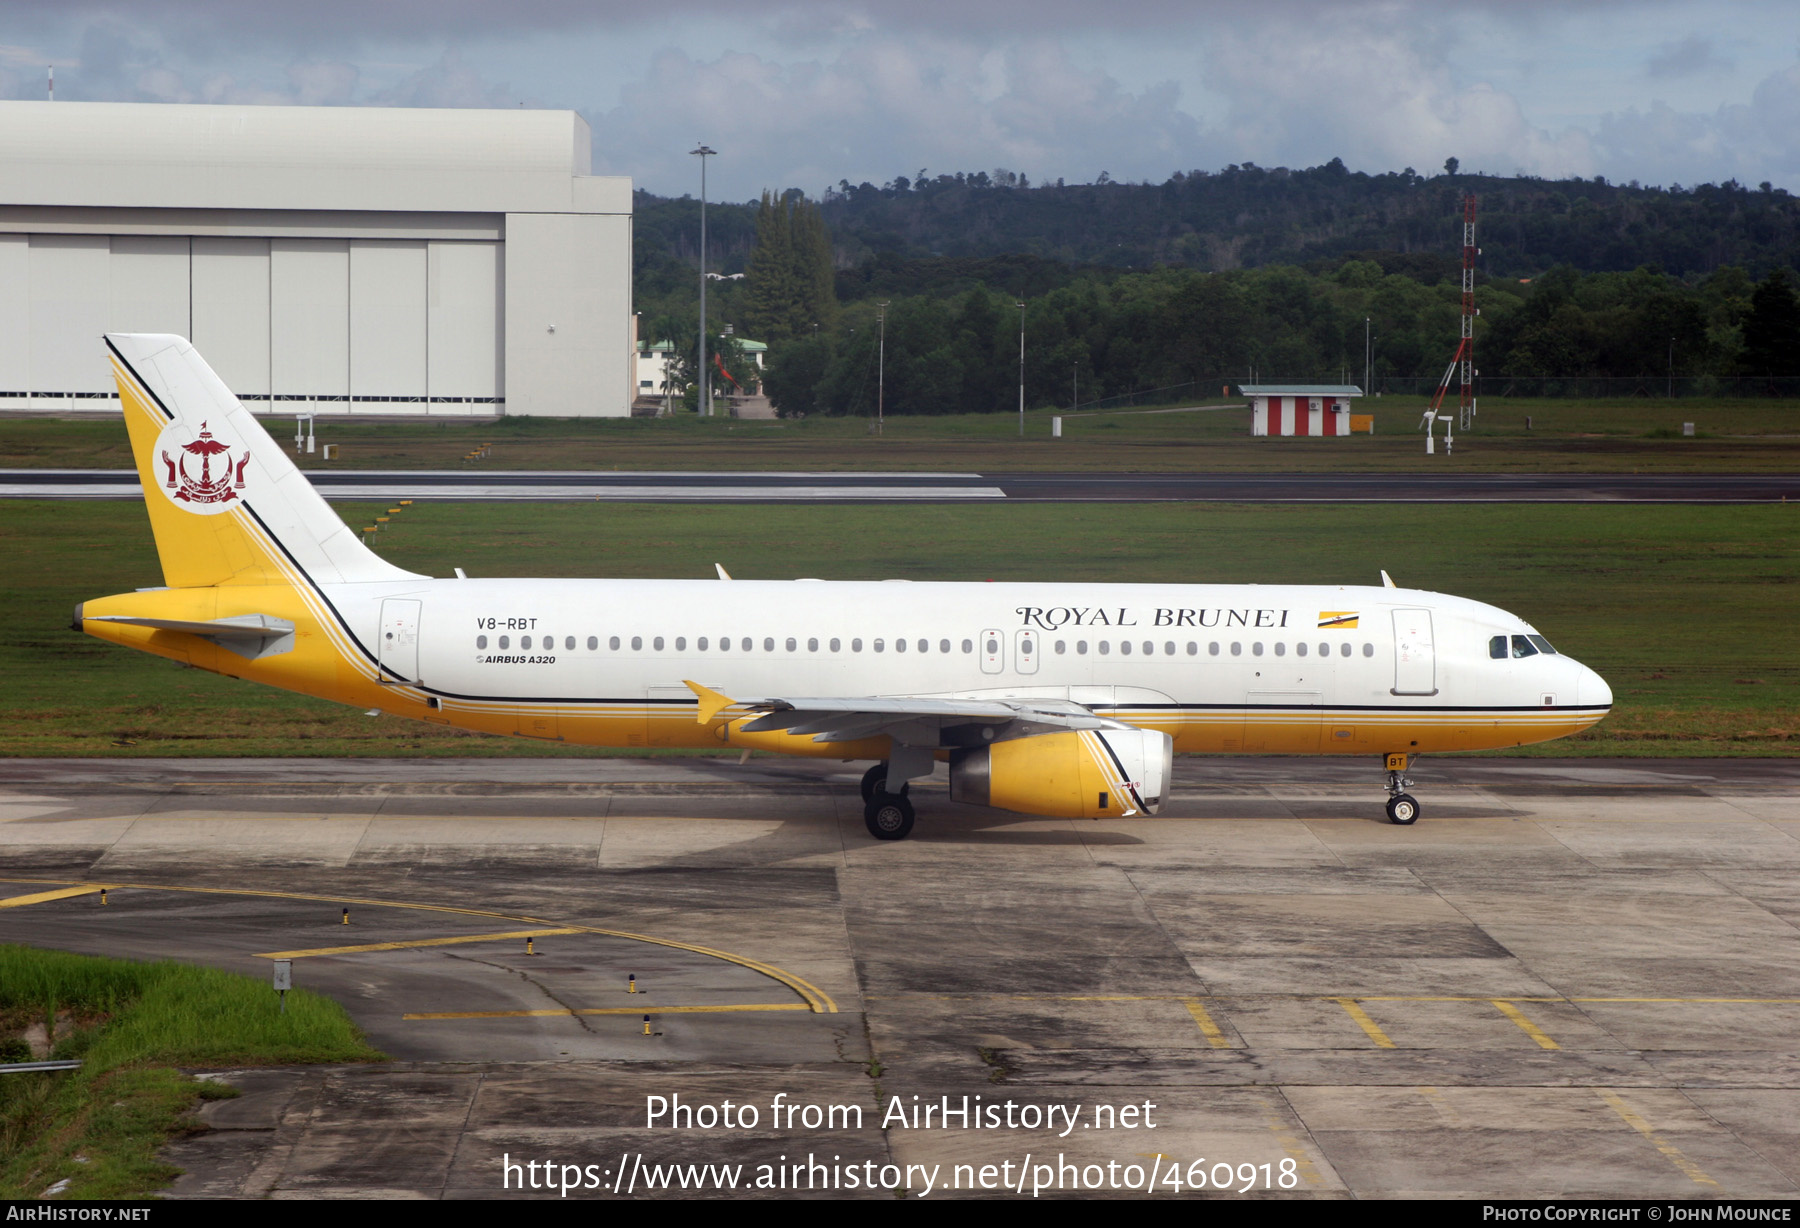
{"x": 248, "y": 635}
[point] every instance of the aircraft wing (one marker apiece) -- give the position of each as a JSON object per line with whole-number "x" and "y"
{"x": 913, "y": 719}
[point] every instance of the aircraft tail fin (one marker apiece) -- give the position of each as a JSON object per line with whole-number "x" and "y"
{"x": 226, "y": 504}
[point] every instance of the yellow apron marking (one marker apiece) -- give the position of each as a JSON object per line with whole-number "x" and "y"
{"x": 418, "y": 942}
{"x": 1367, "y": 1024}
{"x": 817, "y": 999}
{"x": 1295, "y": 1149}
{"x": 43, "y": 897}
{"x": 1214, "y": 1036}
{"x": 610, "y": 1010}
{"x": 1632, "y": 1119}
{"x": 1525, "y": 1025}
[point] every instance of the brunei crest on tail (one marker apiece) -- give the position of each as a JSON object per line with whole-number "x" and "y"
{"x": 205, "y": 491}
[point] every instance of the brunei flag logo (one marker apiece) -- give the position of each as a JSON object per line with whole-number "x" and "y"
{"x": 1343, "y": 619}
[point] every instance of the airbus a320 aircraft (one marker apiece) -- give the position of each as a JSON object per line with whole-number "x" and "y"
{"x": 1043, "y": 698}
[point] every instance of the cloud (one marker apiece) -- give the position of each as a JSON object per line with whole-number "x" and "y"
{"x": 1750, "y": 142}
{"x": 1688, "y": 57}
{"x": 887, "y": 106}
{"x": 1381, "y": 96}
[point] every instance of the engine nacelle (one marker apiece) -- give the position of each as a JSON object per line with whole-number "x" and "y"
{"x": 1079, "y": 774}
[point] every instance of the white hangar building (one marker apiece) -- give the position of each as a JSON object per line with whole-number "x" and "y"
{"x": 328, "y": 259}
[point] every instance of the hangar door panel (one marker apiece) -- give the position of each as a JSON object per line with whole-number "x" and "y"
{"x": 463, "y": 284}
{"x": 150, "y": 284}
{"x": 231, "y": 313}
{"x": 70, "y": 294}
{"x": 387, "y": 326}
{"x": 15, "y": 318}
{"x": 309, "y": 323}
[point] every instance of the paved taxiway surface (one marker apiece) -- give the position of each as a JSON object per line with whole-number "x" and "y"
{"x": 477, "y": 485}
{"x": 1572, "y": 977}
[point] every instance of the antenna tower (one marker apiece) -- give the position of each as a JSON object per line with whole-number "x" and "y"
{"x": 1464, "y": 360}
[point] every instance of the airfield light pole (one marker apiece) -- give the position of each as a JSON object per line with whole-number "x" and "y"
{"x": 705, "y": 400}
{"x": 1367, "y": 353}
{"x": 1021, "y": 370}
{"x": 881, "y": 371}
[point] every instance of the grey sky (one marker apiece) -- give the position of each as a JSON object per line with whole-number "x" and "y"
{"x": 806, "y": 94}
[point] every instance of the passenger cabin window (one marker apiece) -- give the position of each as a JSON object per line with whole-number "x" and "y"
{"x": 1193, "y": 649}
{"x": 944, "y": 646}
{"x": 637, "y": 643}
{"x": 1105, "y": 647}
{"x": 613, "y": 643}
{"x": 1497, "y": 648}
{"x": 856, "y": 645}
{"x": 593, "y": 643}
{"x": 1169, "y": 649}
{"x": 1523, "y": 647}
{"x": 569, "y": 643}
{"x": 681, "y": 643}
{"x": 1124, "y": 647}
{"x": 880, "y": 645}
{"x": 835, "y": 643}
{"x": 1300, "y": 649}
{"x": 1062, "y": 646}
{"x": 1368, "y": 650}
{"x": 1081, "y": 648}
{"x": 700, "y": 643}
{"x": 1281, "y": 650}
{"x": 657, "y": 643}
{"x": 525, "y": 641}
{"x": 768, "y": 643}
{"x": 968, "y": 646}
{"x": 481, "y": 641}
{"x": 1212, "y": 649}
{"x": 505, "y": 642}
{"x": 812, "y": 645}
{"x": 746, "y": 645}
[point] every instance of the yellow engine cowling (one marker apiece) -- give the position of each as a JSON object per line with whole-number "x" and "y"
{"x": 1085, "y": 774}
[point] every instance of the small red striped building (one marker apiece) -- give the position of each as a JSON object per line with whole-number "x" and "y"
{"x": 1300, "y": 409}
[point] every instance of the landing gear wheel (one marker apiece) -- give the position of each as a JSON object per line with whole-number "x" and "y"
{"x": 1403, "y": 809}
{"x": 872, "y": 781}
{"x": 889, "y": 816}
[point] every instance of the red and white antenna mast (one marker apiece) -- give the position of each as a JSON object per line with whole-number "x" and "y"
{"x": 1464, "y": 361}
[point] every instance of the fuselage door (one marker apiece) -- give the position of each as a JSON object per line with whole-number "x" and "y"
{"x": 1415, "y": 658}
{"x": 398, "y": 651}
{"x": 993, "y": 651}
{"x": 1025, "y": 652}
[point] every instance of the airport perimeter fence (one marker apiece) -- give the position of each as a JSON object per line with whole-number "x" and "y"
{"x": 1588, "y": 387}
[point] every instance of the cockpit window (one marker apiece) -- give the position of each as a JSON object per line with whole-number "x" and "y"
{"x": 1523, "y": 647}
{"x": 1543, "y": 645}
{"x": 1497, "y": 648}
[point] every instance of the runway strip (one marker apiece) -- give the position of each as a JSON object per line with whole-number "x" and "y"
{"x": 698, "y": 487}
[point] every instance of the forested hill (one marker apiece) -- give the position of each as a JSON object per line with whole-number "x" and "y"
{"x": 1249, "y": 216}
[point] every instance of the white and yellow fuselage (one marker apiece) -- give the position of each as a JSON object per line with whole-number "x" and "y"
{"x": 266, "y": 583}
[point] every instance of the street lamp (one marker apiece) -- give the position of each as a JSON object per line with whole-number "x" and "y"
{"x": 705, "y": 401}
{"x": 1021, "y": 307}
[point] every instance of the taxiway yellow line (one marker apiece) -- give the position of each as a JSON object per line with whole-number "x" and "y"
{"x": 1214, "y": 1035}
{"x": 44, "y": 897}
{"x": 1525, "y": 1025}
{"x": 1631, "y": 1118}
{"x": 610, "y": 1010}
{"x": 1367, "y": 1024}
{"x": 418, "y": 942}
{"x": 816, "y": 999}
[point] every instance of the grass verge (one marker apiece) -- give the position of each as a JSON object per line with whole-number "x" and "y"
{"x": 1686, "y": 610}
{"x": 133, "y": 1025}
{"x": 1512, "y": 435}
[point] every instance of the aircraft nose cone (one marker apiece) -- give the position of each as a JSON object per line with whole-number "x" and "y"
{"x": 1591, "y": 690}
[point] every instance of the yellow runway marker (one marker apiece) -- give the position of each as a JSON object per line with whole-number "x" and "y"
{"x": 1214, "y": 1036}
{"x": 1631, "y": 1118}
{"x": 417, "y": 942}
{"x": 44, "y": 897}
{"x": 816, "y": 999}
{"x": 610, "y": 1010}
{"x": 1367, "y": 1024}
{"x": 1525, "y": 1025}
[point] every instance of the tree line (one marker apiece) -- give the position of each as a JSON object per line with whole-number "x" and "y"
{"x": 1217, "y": 315}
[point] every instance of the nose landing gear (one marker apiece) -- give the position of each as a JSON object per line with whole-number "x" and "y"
{"x": 1402, "y": 807}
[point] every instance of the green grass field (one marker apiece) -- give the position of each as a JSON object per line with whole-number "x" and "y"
{"x": 1565, "y": 436}
{"x": 1685, "y": 610}
{"x": 132, "y": 1025}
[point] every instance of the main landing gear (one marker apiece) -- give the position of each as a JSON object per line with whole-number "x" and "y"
{"x": 888, "y": 816}
{"x": 1402, "y": 807}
